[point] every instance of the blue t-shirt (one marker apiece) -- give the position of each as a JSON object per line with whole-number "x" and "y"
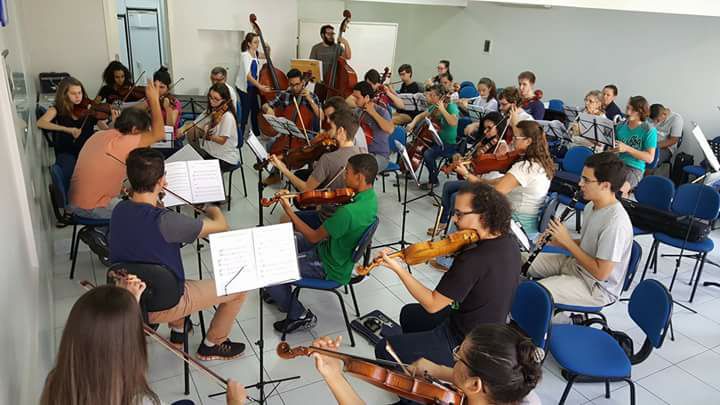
{"x": 536, "y": 108}
{"x": 642, "y": 137}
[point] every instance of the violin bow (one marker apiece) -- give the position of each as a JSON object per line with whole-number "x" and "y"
{"x": 302, "y": 124}
{"x": 133, "y": 86}
{"x": 179, "y": 197}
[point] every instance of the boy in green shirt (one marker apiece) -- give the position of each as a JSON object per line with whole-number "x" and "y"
{"x": 326, "y": 252}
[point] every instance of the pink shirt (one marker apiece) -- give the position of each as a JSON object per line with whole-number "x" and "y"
{"x": 98, "y": 177}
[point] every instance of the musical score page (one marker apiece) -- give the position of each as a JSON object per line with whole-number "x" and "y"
{"x": 206, "y": 181}
{"x": 248, "y": 259}
{"x": 178, "y": 183}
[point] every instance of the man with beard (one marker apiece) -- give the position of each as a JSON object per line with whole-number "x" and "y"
{"x": 326, "y": 50}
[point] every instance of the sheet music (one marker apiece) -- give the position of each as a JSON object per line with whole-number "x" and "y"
{"x": 178, "y": 182}
{"x": 252, "y": 258}
{"x": 258, "y": 150}
{"x": 706, "y": 149}
{"x": 184, "y": 154}
{"x": 436, "y": 136}
{"x": 167, "y": 141}
{"x": 206, "y": 181}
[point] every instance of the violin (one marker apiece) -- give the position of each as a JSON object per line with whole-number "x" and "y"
{"x": 490, "y": 162}
{"x": 88, "y": 108}
{"x": 129, "y": 93}
{"x": 422, "y": 389}
{"x": 536, "y": 97}
{"x": 268, "y": 75}
{"x": 340, "y": 77}
{"x": 422, "y": 252}
{"x": 217, "y": 113}
{"x": 299, "y": 157}
{"x": 315, "y": 197}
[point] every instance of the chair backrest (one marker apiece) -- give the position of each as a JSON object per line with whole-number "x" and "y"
{"x": 548, "y": 211}
{"x": 656, "y": 191}
{"x": 163, "y": 289}
{"x": 650, "y": 307}
{"x": 698, "y": 200}
{"x": 468, "y": 92}
{"x": 532, "y": 311}
{"x": 635, "y": 255}
{"x": 399, "y": 135}
{"x": 556, "y": 105}
{"x": 365, "y": 241}
{"x": 467, "y": 83}
{"x": 654, "y": 163}
{"x": 574, "y": 159}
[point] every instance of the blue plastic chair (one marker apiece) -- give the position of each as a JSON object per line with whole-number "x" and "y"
{"x": 570, "y": 170}
{"x": 532, "y": 311}
{"x": 583, "y": 351}
{"x": 468, "y": 92}
{"x": 362, "y": 250}
{"x": 654, "y": 163}
{"x": 467, "y": 83}
{"x": 240, "y": 165}
{"x": 59, "y": 184}
{"x": 556, "y": 105}
{"x": 635, "y": 255}
{"x": 399, "y": 135}
{"x": 698, "y": 170}
{"x": 693, "y": 200}
{"x": 655, "y": 191}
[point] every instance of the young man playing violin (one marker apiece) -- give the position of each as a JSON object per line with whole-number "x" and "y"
{"x": 376, "y": 121}
{"x": 328, "y": 170}
{"x": 478, "y": 288}
{"x": 296, "y": 91}
{"x": 142, "y": 231}
{"x": 326, "y": 252}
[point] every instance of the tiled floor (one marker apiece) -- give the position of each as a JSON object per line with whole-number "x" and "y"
{"x": 685, "y": 371}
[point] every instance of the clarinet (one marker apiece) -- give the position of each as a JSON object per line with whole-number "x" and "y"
{"x": 545, "y": 237}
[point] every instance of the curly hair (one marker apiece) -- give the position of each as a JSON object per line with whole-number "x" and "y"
{"x": 538, "y": 150}
{"x": 109, "y": 73}
{"x": 492, "y": 206}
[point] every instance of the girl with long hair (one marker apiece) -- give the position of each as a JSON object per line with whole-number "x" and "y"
{"x": 247, "y": 81}
{"x": 116, "y": 77}
{"x": 102, "y": 357}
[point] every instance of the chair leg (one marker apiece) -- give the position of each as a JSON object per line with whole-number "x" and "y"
{"x": 242, "y": 173}
{"x": 186, "y": 365}
{"x": 74, "y": 250}
{"x": 229, "y": 196}
{"x": 697, "y": 280}
{"x": 672, "y": 330}
{"x": 397, "y": 181}
{"x": 382, "y": 176}
{"x": 355, "y": 304}
{"x": 649, "y": 259}
{"x": 72, "y": 241}
{"x": 695, "y": 267}
{"x": 202, "y": 323}
{"x": 295, "y": 295}
{"x": 632, "y": 391}
{"x": 567, "y": 388}
{"x": 347, "y": 319}
{"x": 607, "y": 388}
{"x": 655, "y": 258}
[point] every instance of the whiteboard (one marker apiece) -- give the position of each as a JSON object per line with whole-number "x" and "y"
{"x": 372, "y": 44}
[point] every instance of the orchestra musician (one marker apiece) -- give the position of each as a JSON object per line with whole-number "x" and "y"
{"x": 531, "y": 98}
{"x": 103, "y": 356}
{"x": 508, "y": 105}
{"x": 487, "y": 98}
{"x": 375, "y": 121}
{"x": 635, "y": 141}
{"x": 408, "y": 86}
{"x": 326, "y": 50}
{"x": 446, "y": 80}
{"x": 336, "y": 103}
{"x": 247, "y": 81}
{"x": 326, "y": 252}
{"x": 478, "y": 288}
{"x": 171, "y": 107}
{"x": 382, "y": 94}
{"x": 593, "y": 273}
{"x": 327, "y": 172}
{"x": 116, "y": 77}
{"x": 143, "y": 231}
{"x": 296, "y": 91}
{"x": 669, "y": 126}
{"x": 217, "y": 139}
{"x": 610, "y": 92}
{"x": 446, "y": 117}
{"x": 494, "y": 364}
{"x": 218, "y": 74}
{"x": 70, "y": 132}
{"x": 593, "y": 106}
{"x": 442, "y": 67}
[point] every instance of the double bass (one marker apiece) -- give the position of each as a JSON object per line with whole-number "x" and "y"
{"x": 269, "y": 75}
{"x": 340, "y": 77}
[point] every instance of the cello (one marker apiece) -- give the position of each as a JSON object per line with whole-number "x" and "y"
{"x": 340, "y": 78}
{"x": 299, "y": 114}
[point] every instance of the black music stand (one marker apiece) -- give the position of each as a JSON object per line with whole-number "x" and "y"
{"x": 603, "y": 129}
{"x": 262, "y": 162}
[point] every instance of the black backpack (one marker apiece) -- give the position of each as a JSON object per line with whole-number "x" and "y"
{"x": 677, "y": 175}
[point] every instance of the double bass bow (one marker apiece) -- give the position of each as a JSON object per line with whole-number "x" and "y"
{"x": 423, "y": 389}
{"x": 340, "y": 78}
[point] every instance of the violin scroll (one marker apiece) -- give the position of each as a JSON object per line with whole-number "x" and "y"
{"x": 284, "y": 351}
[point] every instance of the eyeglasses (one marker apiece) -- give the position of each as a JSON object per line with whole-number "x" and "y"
{"x": 584, "y": 179}
{"x": 460, "y": 214}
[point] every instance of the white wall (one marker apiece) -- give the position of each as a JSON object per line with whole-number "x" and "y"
{"x": 197, "y": 30}
{"x": 671, "y": 59}
{"x": 66, "y": 36}
{"x": 25, "y": 297}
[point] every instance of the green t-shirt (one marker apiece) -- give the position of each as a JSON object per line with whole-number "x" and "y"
{"x": 642, "y": 137}
{"x": 448, "y": 133}
{"x": 345, "y": 228}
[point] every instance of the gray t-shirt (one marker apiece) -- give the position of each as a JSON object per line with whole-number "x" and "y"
{"x": 672, "y": 126}
{"x": 326, "y": 54}
{"x": 607, "y": 234}
{"x": 379, "y": 144}
{"x": 331, "y": 165}
{"x": 179, "y": 228}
